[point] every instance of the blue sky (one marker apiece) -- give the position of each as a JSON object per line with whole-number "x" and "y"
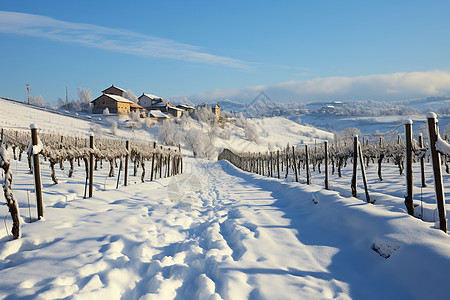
{"x": 211, "y": 50}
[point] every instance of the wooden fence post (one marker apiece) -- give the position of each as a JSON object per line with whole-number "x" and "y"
{"x": 278, "y": 163}
{"x": 355, "y": 164}
{"x": 271, "y": 165}
{"x": 363, "y": 173}
{"x": 37, "y": 173}
{"x": 127, "y": 157}
{"x": 308, "y": 179}
{"x": 153, "y": 162}
{"x": 422, "y": 162}
{"x": 180, "y": 160}
{"x": 433, "y": 131}
{"x": 409, "y": 173}
{"x": 168, "y": 166}
{"x": 160, "y": 165}
{"x": 326, "y": 164}
{"x": 287, "y": 161}
{"x": 294, "y": 163}
{"x": 91, "y": 165}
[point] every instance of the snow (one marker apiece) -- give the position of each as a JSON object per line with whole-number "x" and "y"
{"x": 158, "y": 114}
{"x": 228, "y": 234}
{"x": 237, "y": 235}
{"x": 442, "y": 146}
{"x": 119, "y": 98}
{"x": 151, "y": 96}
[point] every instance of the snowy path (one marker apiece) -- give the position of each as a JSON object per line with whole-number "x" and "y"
{"x": 216, "y": 232}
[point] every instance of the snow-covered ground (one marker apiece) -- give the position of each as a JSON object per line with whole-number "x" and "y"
{"x": 217, "y": 232}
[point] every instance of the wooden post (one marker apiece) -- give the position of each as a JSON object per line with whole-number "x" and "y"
{"x": 409, "y": 173}
{"x": 326, "y": 164}
{"x": 160, "y": 164}
{"x": 118, "y": 175}
{"x": 37, "y": 173}
{"x": 433, "y": 131}
{"x": 278, "y": 163}
{"x": 91, "y": 166}
{"x": 168, "y": 166}
{"x": 287, "y": 161}
{"x": 153, "y": 162}
{"x": 271, "y": 165}
{"x": 355, "y": 164}
{"x": 363, "y": 173}
{"x": 308, "y": 179}
{"x": 422, "y": 163}
{"x": 294, "y": 164}
{"x": 127, "y": 157}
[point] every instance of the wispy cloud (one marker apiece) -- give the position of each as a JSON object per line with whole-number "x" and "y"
{"x": 396, "y": 86}
{"x": 123, "y": 41}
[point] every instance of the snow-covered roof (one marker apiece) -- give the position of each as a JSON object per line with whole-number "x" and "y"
{"x": 176, "y": 108}
{"x": 185, "y": 106}
{"x": 150, "y": 96}
{"x": 115, "y": 98}
{"x": 114, "y": 87}
{"x": 158, "y": 114}
{"x": 119, "y": 98}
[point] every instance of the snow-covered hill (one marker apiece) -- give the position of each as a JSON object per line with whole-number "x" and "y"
{"x": 273, "y": 133}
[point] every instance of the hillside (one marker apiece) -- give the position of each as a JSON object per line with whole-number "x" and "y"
{"x": 273, "y": 133}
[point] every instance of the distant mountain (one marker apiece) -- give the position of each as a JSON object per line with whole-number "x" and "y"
{"x": 232, "y": 106}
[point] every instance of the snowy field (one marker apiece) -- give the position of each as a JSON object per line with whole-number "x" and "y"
{"x": 216, "y": 232}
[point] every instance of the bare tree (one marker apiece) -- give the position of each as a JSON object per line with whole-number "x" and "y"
{"x": 130, "y": 96}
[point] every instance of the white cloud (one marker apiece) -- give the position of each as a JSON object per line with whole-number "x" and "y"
{"x": 396, "y": 86}
{"x": 117, "y": 40}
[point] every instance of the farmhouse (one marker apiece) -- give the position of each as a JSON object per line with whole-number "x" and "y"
{"x": 147, "y": 100}
{"x": 175, "y": 111}
{"x": 114, "y": 103}
{"x": 186, "y": 108}
{"x": 152, "y": 102}
{"x": 114, "y": 90}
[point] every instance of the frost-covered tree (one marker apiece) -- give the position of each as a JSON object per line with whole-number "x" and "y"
{"x": 185, "y": 121}
{"x": 135, "y": 116}
{"x": 200, "y": 143}
{"x": 205, "y": 115}
{"x": 168, "y": 134}
{"x": 241, "y": 121}
{"x": 133, "y": 124}
{"x": 347, "y": 134}
{"x": 130, "y": 96}
{"x": 37, "y": 100}
{"x": 251, "y": 133}
{"x": 113, "y": 126}
{"x": 84, "y": 99}
{"x": 106, "y": 111}
{"x": 445, "y": 110}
